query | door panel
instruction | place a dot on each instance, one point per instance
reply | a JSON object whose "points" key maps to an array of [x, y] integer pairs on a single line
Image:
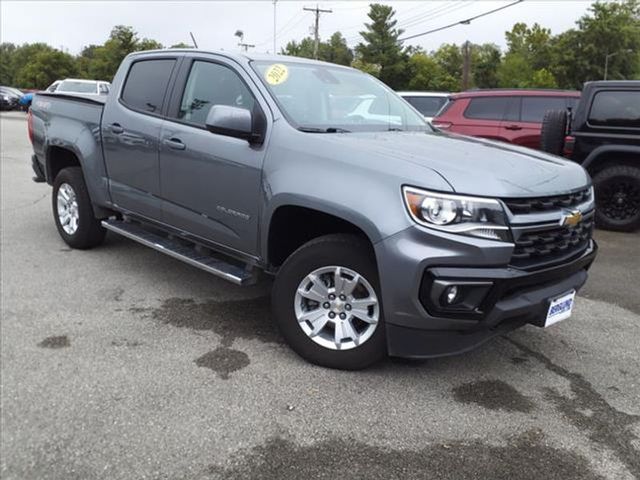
{"points": [[211, 183], [526, 131], [131, 133], [482, 117]]}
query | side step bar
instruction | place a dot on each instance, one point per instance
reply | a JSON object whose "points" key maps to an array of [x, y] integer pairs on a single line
{"points": [[189, 254]]}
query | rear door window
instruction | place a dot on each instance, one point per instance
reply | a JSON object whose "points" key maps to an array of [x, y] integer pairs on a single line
{"points": [[487, 108], [146, 84], [212, 84], [534, 108], [615, 109]]}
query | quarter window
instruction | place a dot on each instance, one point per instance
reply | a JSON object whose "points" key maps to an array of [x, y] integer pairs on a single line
{"points": [[534, 108], [616, 109], [212, 84], [147, 83], [487, 108]]}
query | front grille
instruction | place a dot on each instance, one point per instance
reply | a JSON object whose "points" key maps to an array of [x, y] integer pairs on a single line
{"points": [[544, 204], [535, 248]]}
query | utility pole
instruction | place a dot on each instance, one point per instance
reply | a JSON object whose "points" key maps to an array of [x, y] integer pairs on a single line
{"points": [[466, 66], [316, 27], [274, 27], [241, 44]]}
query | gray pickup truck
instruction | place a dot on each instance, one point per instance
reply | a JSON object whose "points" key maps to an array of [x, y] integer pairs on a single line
{"points": [[384, 235]]}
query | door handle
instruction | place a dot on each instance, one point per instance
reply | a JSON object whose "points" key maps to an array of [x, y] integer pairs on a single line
{"points": [[513, 127], [116, 128], [175, 144]]}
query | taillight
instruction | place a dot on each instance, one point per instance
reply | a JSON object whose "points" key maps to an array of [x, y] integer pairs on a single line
{"points": [[569, 143], [30, 125], [441, 125]]}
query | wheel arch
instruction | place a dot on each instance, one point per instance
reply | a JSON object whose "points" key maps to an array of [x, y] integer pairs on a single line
{"points": [[601, 157], [282, 234]]}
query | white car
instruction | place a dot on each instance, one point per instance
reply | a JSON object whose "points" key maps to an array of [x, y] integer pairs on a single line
{"points": [[428, 104], [76, 85]]}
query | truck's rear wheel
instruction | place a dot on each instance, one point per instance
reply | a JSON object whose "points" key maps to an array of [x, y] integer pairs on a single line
{"points": [[618, 198], [326, 302], [72, 210]]}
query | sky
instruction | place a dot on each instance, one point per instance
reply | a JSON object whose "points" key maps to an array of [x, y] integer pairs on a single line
{"points": [[71, 25]]}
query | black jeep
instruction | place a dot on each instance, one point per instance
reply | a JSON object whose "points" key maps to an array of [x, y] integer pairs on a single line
{"points": [[603, 135]]}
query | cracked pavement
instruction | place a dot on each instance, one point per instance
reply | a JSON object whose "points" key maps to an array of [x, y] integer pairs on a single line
{"points": [[122, 363]]}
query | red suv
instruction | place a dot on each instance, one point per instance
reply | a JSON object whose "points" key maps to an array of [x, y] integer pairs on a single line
{"points": [[513, 116]]}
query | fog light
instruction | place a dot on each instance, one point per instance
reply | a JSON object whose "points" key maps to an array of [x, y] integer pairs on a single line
{"points": [[451, 294]]}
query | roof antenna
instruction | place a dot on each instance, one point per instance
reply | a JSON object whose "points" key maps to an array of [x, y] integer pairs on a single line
{"points": [[193, 39]]}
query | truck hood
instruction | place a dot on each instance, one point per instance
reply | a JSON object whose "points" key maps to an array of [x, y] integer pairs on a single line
{"points": [[470, 165]]}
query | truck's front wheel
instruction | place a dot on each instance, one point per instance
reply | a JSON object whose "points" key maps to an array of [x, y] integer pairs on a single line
{"points": [[72, 210], [326, 302], [618, 198]]}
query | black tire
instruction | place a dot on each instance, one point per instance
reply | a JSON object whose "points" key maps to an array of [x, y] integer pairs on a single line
{"points": [[348, 251], [554, 127], [89, 232], [618, 198]]}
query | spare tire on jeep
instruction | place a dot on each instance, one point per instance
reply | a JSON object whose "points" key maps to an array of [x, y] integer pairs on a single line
{"points": [[554, 127]]}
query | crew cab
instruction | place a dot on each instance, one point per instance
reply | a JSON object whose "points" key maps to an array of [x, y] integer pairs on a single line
{"points": [[384, 235]]}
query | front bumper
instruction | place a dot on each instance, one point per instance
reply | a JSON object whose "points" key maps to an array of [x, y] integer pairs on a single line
{"points": [[409, 263]]}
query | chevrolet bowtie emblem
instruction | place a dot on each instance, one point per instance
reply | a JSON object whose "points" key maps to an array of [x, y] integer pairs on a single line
{"points": [[571, 219]]}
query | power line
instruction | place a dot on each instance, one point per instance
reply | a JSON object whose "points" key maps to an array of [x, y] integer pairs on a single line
{"points": [[462, 22]]}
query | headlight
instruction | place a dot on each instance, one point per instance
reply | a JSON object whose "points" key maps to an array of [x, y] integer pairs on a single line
{"points": [[475, 216]]}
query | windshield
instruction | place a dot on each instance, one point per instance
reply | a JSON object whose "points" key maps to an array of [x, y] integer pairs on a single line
{"points": [[12, 91], [323, 98], [77, 87]]}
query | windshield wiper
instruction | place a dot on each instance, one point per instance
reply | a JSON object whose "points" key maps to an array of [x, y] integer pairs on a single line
{"points": [[395, 129], [323, 130]]}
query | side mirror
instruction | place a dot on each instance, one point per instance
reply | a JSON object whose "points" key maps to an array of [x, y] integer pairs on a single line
{"points": [[230, 121]]}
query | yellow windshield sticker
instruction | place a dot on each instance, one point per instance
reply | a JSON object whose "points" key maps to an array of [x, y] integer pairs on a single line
{"points": [[276, 74]]}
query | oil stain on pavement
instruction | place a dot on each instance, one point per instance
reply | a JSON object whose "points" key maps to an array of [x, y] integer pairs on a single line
{"points": [[525, 458], [589, 411], [61, 341], [233, 319], [224, 361], [494, 395]]}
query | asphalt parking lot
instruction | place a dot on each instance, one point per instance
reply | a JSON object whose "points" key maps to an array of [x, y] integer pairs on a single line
{"points": [[122, 363]]}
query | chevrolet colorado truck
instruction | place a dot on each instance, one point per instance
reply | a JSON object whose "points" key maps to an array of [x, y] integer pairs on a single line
{"points": [[384, 235]]}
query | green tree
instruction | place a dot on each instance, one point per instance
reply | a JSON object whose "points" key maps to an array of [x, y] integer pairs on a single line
{"points": [[7, 72], [335, 50], [181, 45], [449, 58], [578, 55], [532, 43], [485, 61], [427, 74], [46, 67], [382, 46]]}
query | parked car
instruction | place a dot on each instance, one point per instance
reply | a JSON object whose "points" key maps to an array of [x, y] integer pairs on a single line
{"points": [[54, 86], [428, 104], [512, 116], [10, 98], [382, 238], [85, 87], [603, 135]]}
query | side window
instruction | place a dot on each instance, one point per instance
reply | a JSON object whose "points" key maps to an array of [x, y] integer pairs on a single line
{"points": [[616, 109], [534, 108], [487, 108], [146, 84], [212, 84]]}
